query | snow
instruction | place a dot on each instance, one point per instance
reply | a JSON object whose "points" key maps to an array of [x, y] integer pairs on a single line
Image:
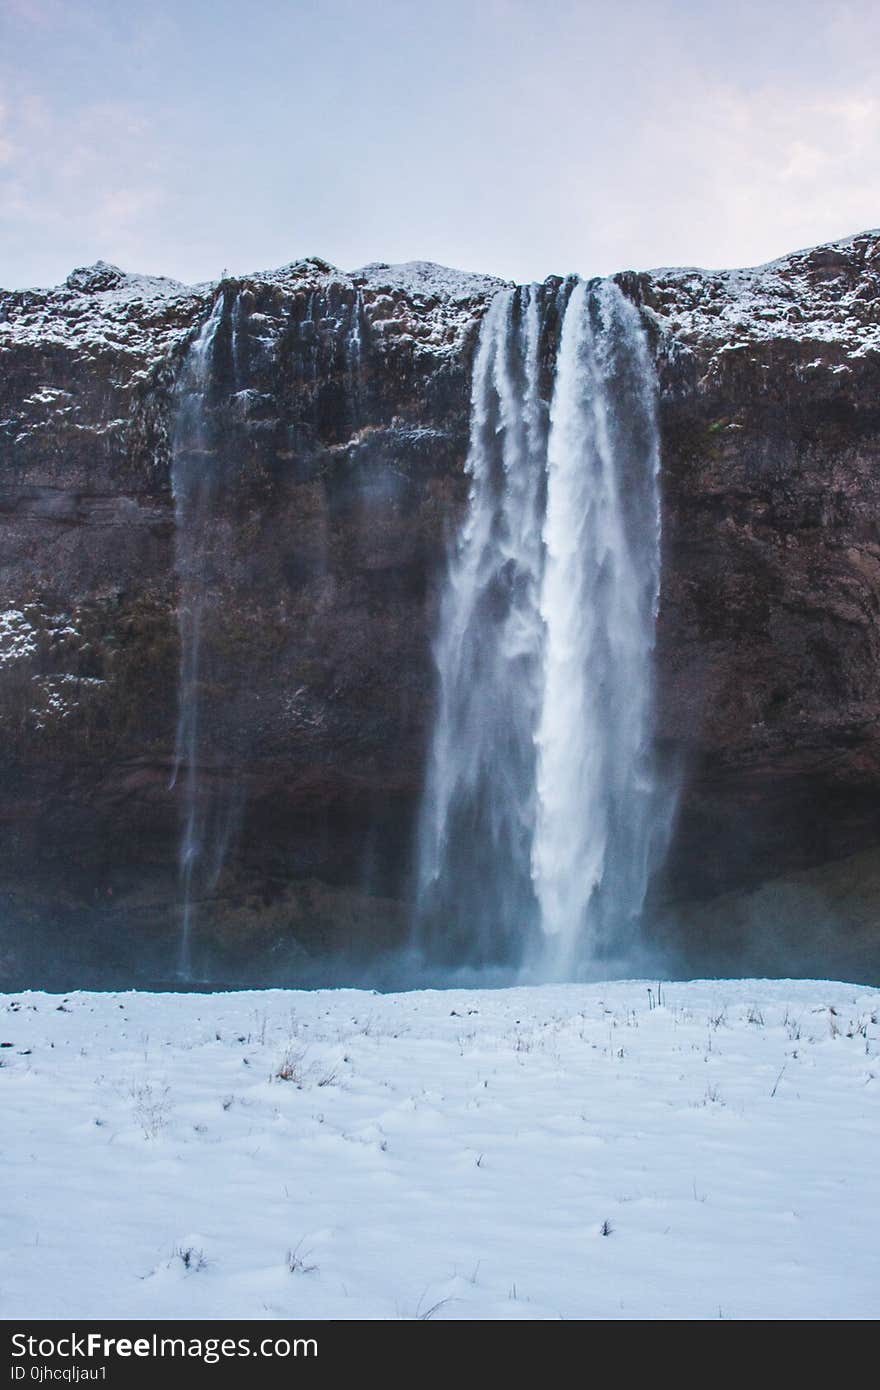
{"points": [[424, 280], [18, 637], [56, 693], [537, 1153], [102, 309], [828, 294], [431, 306]]}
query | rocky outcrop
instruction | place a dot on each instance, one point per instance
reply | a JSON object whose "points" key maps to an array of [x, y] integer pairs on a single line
{"points": [[338, 424]]}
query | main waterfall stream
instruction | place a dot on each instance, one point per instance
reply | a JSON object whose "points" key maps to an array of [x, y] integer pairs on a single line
{"points": [[544, 812]]}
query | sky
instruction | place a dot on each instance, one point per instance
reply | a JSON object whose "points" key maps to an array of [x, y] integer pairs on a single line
{"points": [[192, 137]]}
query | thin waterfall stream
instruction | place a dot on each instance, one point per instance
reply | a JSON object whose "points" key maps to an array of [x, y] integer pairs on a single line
{"points": [[193, 482]]}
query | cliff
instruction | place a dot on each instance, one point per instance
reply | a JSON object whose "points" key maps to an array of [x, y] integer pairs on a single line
{"points": [[338, 415]]}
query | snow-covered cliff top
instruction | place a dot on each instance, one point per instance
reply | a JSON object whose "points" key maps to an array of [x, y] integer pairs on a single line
{"points": [[825, 295], [101, 308], [425, 280]]}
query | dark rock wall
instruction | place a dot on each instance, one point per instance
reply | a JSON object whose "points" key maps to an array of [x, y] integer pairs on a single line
{"points": [[338, 426], [769, 636]]}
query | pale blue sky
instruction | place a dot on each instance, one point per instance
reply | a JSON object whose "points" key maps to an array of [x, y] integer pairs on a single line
{"points": [[185, 137]]}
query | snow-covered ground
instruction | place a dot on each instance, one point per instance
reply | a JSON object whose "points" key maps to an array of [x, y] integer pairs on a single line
{"points": [[554, 1152]]}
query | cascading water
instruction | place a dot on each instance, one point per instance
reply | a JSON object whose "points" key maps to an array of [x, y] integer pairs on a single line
{"points": [[476, 901], [193, 484], [596, 790], [543, 810]]}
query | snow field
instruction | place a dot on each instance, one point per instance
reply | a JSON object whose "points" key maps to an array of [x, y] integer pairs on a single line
{"points": [[541, 1153]]}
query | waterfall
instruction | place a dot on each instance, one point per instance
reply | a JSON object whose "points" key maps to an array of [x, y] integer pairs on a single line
{"points": [[542, 806], [475, 892], [193, 483], [226, 468], [595, 779]]}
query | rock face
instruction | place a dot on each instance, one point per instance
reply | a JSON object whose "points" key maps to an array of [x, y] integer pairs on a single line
{"points": [[337, 427]]}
